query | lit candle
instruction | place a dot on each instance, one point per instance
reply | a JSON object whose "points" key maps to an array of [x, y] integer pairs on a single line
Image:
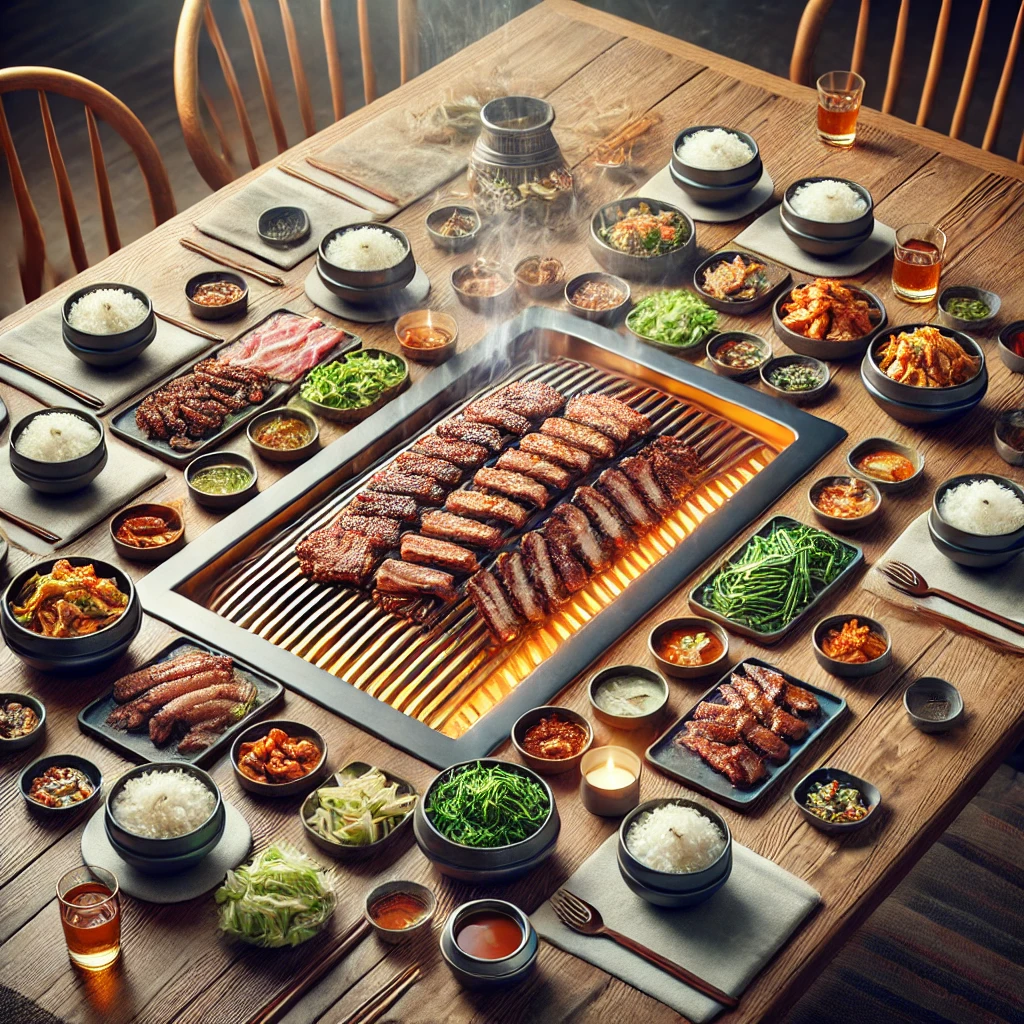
{"points": [[610, 783], [610, 776]]}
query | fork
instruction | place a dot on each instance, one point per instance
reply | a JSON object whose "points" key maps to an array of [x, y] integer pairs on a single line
{"points": [[582, 917], [909, 581]]}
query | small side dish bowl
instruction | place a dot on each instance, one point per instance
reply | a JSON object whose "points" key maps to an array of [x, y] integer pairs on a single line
{"points": [[796, 397], [948, 319], [221, 502], [846, 669], [203, 311], [656, 639], [1012, 359], [933, 705], [543, 290], [283, 226], [711, 177], [843, 230], [821, 348], [390, 278], [440, 215], [975, 541], [433, 320], [157, 553], [398, 887], [476, 972], [775, 276], [915, 414], [107, 342], [723, 369], [1008, 436], [40, 765], [872, 798], [26, 700], [550, 765], [873, 445], [844, 524], [627, 722], [271, 454], [488, 305], [349, 416], [629, 265], [278, 789], [607, 315], [58, 477]]}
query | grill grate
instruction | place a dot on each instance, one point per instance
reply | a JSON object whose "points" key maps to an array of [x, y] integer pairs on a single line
{"points": [[443, 671]]}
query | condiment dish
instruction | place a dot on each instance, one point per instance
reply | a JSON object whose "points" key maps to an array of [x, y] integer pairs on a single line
{"points": [[872, 798], [390, 278], [842, 231], [776, 274], [628, 265], [846, 669], [975, 541], [487, 305], [436, 219], [821, 348], [674, 668], [627, 722], [429, 318], [58, 477], [158, 553], [914, 414], [1008, 421], [221, 502], [40, 765], [948, 319], [108, 342], [737, 373], [1011, 360], [109, 359], [267, 226], [421, 894], [796, 397], [933, 705], [971, 557], [479, 973], [877, 444], [843, 524], [547, 290], [598, 316], [550, 765], [279, 789], [9, 746], [710, 176], [201, 311], [350, 416], [272, 454]]}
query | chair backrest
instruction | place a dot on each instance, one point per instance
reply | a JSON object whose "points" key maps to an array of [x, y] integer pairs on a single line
{"points": [[98, 103], [217, 167], [800, 69]]}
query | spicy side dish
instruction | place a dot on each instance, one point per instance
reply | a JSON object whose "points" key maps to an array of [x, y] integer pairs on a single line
{"points": [[853, 644], [827, 310], [278, 757], [60, 786], [736, 280], [68, 601], [283, 433], [216, 293], [554, 738], [926, 358], [886, 465], [17, 720], [844, 498], [148, 531], [690, 645], [641, 232], [835, 803]]}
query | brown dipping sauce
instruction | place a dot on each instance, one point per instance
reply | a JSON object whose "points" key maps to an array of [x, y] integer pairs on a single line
{"points": [[597, 295], [217, 293], [489, 935], [397, 911], [283, 434], [554, 738], [425, 336]]}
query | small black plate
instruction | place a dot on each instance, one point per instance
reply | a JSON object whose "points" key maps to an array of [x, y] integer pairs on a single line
{"points": [[139, 747], [777, 275], [687, 767]]}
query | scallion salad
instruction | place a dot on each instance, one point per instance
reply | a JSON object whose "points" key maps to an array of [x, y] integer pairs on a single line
{"points": [[673, 317], [355, 383]]}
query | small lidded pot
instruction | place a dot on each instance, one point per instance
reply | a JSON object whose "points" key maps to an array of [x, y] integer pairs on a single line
{"points": [[489, 943], [398, 911]]}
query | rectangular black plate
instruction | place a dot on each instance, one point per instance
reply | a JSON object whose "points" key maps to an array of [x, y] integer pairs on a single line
{"points": [[687, 767], [122, 422], [777, 275], [770, 638], [139, 747]]}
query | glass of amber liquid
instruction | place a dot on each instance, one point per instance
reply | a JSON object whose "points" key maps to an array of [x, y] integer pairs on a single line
{"points": [[917, 262], [90, 911], [839, 97]]}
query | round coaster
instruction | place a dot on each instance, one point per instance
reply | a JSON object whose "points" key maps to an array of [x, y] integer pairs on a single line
{"points": [[663, 187], [3, 415], [208, 873], [411, 297]]}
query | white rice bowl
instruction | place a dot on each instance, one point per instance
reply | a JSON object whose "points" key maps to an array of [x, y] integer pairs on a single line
{"points": [[828, 201], [714, 149], [365, 248], [676, 839], [107, 311], [163, 804]]}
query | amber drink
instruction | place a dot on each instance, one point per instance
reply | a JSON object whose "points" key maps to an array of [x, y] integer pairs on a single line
{"points": [[839, 98], [90, 912], [917, 262]]}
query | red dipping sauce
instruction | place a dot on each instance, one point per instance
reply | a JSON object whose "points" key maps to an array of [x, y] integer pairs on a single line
{"points": [[489, 935]]}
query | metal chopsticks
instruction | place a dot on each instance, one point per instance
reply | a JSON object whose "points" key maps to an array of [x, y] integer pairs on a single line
{"points": [[187, 327], [82, 396], [227, 261], [36, 531], [385, 997]]}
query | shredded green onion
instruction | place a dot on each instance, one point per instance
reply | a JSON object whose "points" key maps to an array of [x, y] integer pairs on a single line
{"points": [[355, 383], [672, 317]]}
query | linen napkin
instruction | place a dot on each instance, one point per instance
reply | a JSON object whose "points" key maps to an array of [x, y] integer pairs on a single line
{"points": [[767, 237], [233, 219], [125, 475], [725, 941], [1000, 590], [38, 343], [662, 186]]}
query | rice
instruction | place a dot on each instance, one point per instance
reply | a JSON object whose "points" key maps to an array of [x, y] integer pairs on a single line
{"points": [[57, 437], [715, 149], [163, 804], [983, 507], [828, 201], [675, 838], [365, 249], [107, 311]]}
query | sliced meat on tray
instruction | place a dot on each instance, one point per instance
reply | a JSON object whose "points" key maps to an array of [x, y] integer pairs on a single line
{"points": [[579, 435], [563, 556], [476, 433], [554, 450], [494, 606], [136, 713], [616, 486], [527, 600], [478, 505], [395, 577], [382, 533], [595, 550], [745, 692], [426, 465], [582, 406], [390, 506], [185, 708], [333, 556], [533, 466], [463, 454], [537, 558], [184, 665], [604, 514], [441, 554], [460, 530], [640, 470], [778, 689], [394, 481], [746, 727], [513, 485], [738, 763]]}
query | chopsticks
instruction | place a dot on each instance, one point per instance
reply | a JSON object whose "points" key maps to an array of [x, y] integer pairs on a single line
{"points": [[36, 531], [187, 327], [320, 185], [283, 1001], [82, 396], [378, 192], [384, 998], [227, 261]]}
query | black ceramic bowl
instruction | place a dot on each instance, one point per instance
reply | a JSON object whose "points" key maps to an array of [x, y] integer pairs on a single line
{"points": [[58, 477], [844, 524], [477, 972], [971, 557], [871, 445], [716, 178], [108, 359], [824, 349], [396, 276], [550, 765], [796, 397], [628, 265], [737, 373], [452, 243], [221, 502], [375, 296], [975, 541], [872, 798], [845, 669], [948, 319], [278, 789], [917, 415], [931, 690], [714, 195], [825, 247], [9, 746], [229, 309], [107, 342], [37, 767], [820, 229], [268, 224], [776, 276], [598, 316], [79, 653]]}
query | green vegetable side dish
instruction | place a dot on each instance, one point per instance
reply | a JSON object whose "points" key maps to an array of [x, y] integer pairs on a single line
{"points": [[967, 309], [221, 479], [795, 377], [672, 317], [487, 806], [835, 803], [775, 577], [280, 898], [355, 383], [359, 810]]}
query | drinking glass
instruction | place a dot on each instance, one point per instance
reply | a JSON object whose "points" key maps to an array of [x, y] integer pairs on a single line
{"points": [[839, 96], [90, 911], [917, 262]]}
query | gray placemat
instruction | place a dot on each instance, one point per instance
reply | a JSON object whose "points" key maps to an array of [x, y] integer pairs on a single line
{"points": [[999, 590], [663, 187], [725, 941], [233, 219], [232, 849], [38, 343], [767, 237], [125, 475], [411, 297]]}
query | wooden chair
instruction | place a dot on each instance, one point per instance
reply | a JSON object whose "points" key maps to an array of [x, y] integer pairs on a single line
{"points": [[217, 167], [98, 103], [800, 69]]}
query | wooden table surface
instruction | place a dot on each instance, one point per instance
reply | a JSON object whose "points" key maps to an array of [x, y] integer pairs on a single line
{"points": [[594, 68]]}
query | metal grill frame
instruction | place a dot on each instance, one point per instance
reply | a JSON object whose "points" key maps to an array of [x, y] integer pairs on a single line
{"points": [[171, 592]]}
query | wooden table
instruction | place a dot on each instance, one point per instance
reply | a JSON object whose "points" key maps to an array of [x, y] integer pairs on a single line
{"points": [[586, 63]]}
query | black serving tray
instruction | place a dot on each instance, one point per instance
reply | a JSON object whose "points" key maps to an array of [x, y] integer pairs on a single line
{"points": [[688, 768], [778, 276], [770, 638], [122, 422], [139, 747]]}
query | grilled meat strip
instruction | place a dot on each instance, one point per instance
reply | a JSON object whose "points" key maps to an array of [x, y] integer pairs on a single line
{"points": [[677, 466], [393, 481], [779, 690], [782, 723], [763, 740], [135, 714], [614, 484], [526, 599], [541, 568], [514, 485], [475, 433], [494, 606], [579, 435], [439, 553], [478, 505], [604, 514], [561, 547], [738, 763], [513, 406], [394, 577], [593, 418], [497, 416], [460, 530], [380, 532], [199, 737], [595, 550], [426, 465], [328, 556], [641, 471], [554, 450], [183, 708], [535, 467], [636, 422], [463, 454], [390, 506], [187, 664]]}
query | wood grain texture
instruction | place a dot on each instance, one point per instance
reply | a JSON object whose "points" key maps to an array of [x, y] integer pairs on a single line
{"points": [[176, 968]]}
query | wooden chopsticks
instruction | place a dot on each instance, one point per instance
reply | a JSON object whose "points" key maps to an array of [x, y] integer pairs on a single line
{"points": [[191, 328], [82, 396], [378, 192], [385, 997], [36, 531], [320, 185], [227, 261]]}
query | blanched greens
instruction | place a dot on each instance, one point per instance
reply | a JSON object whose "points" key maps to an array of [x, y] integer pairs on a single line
{"points": [[357, 811], [355, 383], [672, 317]]}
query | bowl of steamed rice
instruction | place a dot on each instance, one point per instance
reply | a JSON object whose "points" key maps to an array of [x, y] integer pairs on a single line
{"points": [[57, 450], [363, 257], [712, 155], [674, 848], [980, 512], [827, 209], [170, 812], [107, 317]]}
